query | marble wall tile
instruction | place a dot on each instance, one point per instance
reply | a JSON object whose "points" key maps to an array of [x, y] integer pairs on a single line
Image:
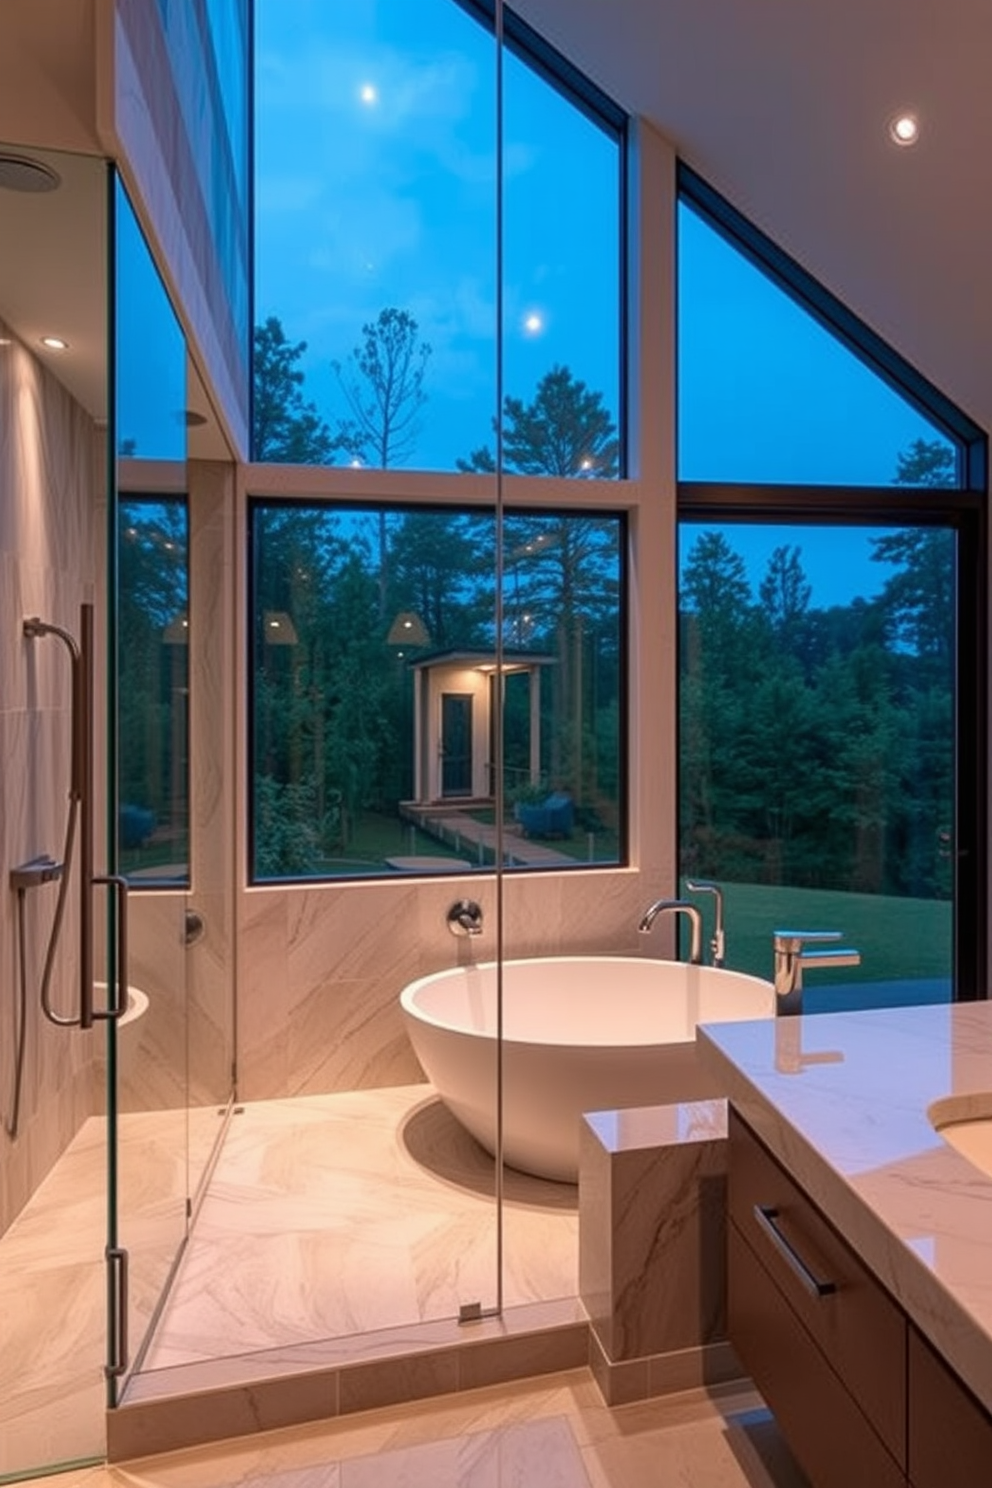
{"points": [[263, 994], [652, 1227], [48, 566], [387, 1381], [516, 1358], [343, 953], [162, 1425]]}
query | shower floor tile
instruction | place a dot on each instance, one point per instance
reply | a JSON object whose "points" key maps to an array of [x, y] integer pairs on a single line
{"points": [[332, 1215]]}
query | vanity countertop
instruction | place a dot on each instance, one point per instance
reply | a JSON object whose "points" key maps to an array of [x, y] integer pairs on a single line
{"points": [[841, 1099]]}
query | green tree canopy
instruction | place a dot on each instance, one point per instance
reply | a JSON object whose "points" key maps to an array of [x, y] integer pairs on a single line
{"points": [[287, 427], [927, 462], [565, 430]]}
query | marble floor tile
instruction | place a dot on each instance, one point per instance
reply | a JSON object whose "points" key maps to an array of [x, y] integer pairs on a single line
{"points": [[555, 1433], [329, 1214], [325, 1217], [340, 1214]]}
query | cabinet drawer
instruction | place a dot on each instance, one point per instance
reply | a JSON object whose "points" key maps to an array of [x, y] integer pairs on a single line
{"points": [[950, 1433], [856, 1325], [827, 1432]]}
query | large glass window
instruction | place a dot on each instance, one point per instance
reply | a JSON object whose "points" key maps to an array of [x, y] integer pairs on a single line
{"points": [[376, 235], [817, 745], [767, 393], [378, 684], [832, 678]]}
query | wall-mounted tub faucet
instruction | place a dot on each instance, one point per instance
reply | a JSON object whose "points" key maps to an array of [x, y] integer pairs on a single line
{"points": [[792, 957], [678, 906], [718, 943], [465, 917]]}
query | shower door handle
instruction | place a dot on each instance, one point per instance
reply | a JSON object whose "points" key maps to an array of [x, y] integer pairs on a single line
{"points": [[82, 786], [118, 1005]]}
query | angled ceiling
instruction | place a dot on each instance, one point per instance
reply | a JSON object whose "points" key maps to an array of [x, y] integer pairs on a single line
{"points": [[784, 106]]}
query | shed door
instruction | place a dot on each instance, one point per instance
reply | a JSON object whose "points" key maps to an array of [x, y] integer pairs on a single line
{"points": [[456, 744]]}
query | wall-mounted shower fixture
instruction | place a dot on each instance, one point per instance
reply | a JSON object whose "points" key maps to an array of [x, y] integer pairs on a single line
{"points": [[465, 917], [38, 871], [194, 927], [46, 870]]}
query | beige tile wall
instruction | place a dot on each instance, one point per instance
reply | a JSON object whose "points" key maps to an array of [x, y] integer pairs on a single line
{"points": [[50, 539]]}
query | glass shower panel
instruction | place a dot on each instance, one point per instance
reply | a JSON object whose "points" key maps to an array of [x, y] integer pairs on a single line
{"points": [[560, 792], [817, 755], [374, 349], [53, 235], [148, 788]]}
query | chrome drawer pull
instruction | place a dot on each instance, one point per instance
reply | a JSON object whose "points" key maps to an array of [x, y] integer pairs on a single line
{"points": [[766, 1215]]}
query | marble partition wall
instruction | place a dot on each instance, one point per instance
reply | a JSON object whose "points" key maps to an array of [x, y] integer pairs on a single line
{"points": [[320, 969], [50, 539]]}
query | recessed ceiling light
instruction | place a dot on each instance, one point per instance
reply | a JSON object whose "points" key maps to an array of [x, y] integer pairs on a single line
{"points": [[55, 343], [19, 173], [904, 128]]}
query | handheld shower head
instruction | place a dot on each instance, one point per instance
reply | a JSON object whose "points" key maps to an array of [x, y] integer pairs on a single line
{"points": [[35, 627]]}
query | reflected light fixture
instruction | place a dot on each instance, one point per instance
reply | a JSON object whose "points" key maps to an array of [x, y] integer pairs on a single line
{"points": [[904, 128], [408, 630], [55, 343], [176, 633], [278, 629]]}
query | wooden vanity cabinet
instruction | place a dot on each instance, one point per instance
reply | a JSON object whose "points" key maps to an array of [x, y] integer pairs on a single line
{"points": [[822, 1340], [950, 1432], [860, 1395]]}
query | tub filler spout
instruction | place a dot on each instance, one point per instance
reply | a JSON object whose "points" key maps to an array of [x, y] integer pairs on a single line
{"points": [[678, 906]]}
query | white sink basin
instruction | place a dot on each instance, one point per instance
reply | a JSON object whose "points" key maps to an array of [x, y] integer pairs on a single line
{"points": [[965, 1123]]}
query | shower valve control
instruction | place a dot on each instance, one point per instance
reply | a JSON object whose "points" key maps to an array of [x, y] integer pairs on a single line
{"points": [[38, 871], [465, 917]]}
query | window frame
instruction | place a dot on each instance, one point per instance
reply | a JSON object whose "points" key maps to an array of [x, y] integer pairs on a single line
{"points": [[404, 491]]}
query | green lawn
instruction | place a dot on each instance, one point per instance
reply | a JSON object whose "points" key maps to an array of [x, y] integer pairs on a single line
{"points": [[897, 938]]}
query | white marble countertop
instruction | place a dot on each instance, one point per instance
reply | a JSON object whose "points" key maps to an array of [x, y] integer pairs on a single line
{"points": [[841, 1099]]}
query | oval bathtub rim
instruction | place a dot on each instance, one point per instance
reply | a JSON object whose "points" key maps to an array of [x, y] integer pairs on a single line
{"points": [[411, 1008]]}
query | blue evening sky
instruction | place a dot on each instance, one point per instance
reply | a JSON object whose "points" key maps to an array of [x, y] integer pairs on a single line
{"points": [[150, 351], [375, 124]]}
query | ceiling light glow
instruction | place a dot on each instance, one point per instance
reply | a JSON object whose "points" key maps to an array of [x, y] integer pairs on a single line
{"points": [[904, 128], [55, 343]]}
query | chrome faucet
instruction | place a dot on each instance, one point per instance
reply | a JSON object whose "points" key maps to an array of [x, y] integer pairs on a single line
{"points": [[792, 957], [718, 943], [678, 906]]}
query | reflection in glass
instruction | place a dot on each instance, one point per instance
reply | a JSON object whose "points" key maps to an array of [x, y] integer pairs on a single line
{"points": [[377, 689], [768, 394], [154, 688], [817, 745]]}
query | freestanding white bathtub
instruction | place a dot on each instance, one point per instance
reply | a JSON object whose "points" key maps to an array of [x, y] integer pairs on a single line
{"points": [[580, 1033]]}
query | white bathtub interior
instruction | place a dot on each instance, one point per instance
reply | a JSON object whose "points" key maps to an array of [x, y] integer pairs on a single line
{"points": [[580, 1033]]}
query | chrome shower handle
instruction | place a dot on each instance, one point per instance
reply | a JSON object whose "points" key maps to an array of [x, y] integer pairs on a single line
{"points": [[82, 785], [118, 1006]]}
